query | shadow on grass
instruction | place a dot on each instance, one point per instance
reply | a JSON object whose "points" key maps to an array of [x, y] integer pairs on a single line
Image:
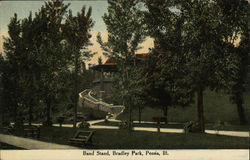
{"points": [[124, 139]]}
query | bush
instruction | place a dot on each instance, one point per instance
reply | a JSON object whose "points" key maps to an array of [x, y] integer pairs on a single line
{"points": [[191, 127], [47, 123], [126, 125], [84, 124], [60, 120]]}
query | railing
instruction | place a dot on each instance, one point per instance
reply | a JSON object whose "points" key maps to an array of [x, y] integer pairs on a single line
{"points": [[87, 100]]}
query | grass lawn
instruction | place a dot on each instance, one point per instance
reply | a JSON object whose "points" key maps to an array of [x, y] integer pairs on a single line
{"points": [[226, 127], [217, 107], [108, 123], [123, 139], [8, 146]]}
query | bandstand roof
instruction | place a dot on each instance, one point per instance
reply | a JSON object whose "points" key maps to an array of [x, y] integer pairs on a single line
{"points": [[111, 66], [108, 66]]}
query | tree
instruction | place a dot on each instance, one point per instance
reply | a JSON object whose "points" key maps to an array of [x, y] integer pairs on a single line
{"points": [[77, 34], [11, 68], [1, 90], [165, 81], [235, 22], [124, 22], [39, 55], [52, 57], [29, 67], [202, 52]]}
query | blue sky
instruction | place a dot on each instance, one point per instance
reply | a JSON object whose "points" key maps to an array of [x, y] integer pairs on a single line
{"points": [[23, 8]]}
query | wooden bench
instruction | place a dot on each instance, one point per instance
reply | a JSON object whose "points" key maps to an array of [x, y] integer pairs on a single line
{"points": [[32, 131], [8, 129], [82, 138]]}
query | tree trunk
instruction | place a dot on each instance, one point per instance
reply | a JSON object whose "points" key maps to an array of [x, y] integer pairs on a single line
{"points": [[1, 114], [140, 110], [15, 113], [75, 109], [48, 114], [240, 110], [130, 114], [77, 69], [30, 111], [165, 113], [200, 111]]}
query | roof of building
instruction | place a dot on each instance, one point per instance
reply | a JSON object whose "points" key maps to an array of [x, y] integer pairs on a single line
{"points": [[142, 55], [110, 62], [110, 65]]}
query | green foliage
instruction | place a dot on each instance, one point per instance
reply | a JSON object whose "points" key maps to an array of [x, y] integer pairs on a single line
{"points": [[11, 69], [124, 22], [84, 125], [235, 22], [126, 125], [38, 58], [192, 46], [77, 34], [126, 29]]}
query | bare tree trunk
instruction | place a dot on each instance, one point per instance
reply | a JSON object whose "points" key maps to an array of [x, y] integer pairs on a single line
{"points": [[75, 108], [200, 111], [130, 103], [48, 114], [240, 110], [75, 92], [165, 113], [140, 110], [1, 113], [30, 111], [15, 113]]}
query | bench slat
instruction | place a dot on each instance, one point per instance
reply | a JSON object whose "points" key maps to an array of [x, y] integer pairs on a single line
{"points": [[80, 139]]}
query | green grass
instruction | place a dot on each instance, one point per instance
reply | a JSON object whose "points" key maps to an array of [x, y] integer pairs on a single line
{"points": [[227, 127], [56, 134], [123, 139], [108, 123], [217, 107], [8, 146]]}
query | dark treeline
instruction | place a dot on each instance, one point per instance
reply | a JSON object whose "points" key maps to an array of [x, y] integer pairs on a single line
{"points": [[43, 63], [198, 45]]}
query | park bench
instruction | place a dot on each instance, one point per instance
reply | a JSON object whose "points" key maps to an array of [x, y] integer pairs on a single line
{"points": [[8, 129], [82, 138], [32, 131], [158, 120]]}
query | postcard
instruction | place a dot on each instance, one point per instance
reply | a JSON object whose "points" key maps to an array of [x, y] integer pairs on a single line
{"points": [[124, 79]]}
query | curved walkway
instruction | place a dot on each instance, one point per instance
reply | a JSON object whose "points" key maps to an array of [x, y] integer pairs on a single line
{"points": [[154, 129], [31, 143], [87, 100], [171, 130]]}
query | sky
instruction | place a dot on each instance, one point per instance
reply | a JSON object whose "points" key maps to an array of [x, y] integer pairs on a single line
{"points": [[99, 7]]}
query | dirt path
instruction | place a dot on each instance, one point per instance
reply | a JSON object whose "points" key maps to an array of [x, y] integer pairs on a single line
{"points": [[31, 143]]}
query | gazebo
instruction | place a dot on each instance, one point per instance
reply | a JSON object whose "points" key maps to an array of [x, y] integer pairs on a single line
{"points": [[104, 74]]}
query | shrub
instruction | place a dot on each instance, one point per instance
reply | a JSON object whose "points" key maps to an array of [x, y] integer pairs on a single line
{"points": [[84, 124]]}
